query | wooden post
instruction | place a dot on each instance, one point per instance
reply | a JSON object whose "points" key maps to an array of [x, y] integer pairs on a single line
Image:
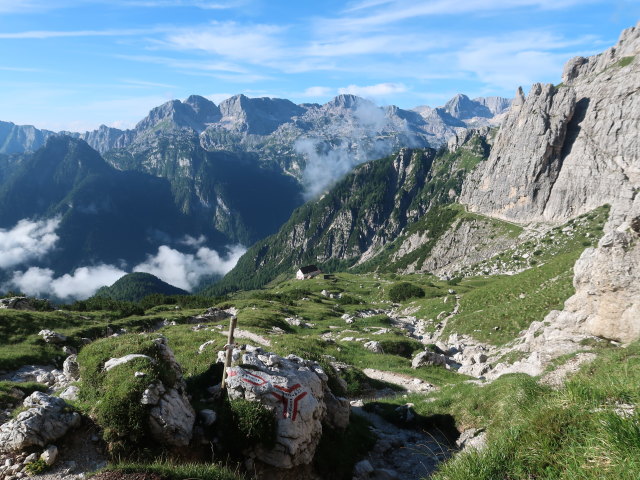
{"points": [[229, 347]]}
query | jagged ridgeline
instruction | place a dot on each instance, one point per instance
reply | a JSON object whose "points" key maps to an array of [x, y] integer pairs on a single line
{"points": [[367, 221]]}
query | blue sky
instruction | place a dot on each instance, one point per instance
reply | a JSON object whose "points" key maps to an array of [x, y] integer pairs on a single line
{"points": [[76, 64]]}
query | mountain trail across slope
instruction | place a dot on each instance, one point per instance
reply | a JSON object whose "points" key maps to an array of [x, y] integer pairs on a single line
{"points": [[400, 453]]}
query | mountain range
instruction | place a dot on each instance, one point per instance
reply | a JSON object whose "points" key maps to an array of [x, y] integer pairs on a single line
{"points": [[482, 204], [228, 174]]}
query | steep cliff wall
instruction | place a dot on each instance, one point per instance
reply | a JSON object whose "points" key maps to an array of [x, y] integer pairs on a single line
{"points": [[565, 150]]}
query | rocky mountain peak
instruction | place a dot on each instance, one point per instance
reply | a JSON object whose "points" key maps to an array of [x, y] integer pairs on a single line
{"points": [[260, 116], [173, 113], [347, 101], [462, 107], [624, 51], [204, 109]]}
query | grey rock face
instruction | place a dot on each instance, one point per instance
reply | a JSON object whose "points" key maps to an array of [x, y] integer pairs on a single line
{"points": [[45, 420], [297, 392], [584, 152], [607, 282], [260, 116], [526, 158], [171, 419], [21, 138], [566, 150]]}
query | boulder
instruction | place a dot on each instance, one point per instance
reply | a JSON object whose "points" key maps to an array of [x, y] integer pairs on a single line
{"points": [[171, 419], [70, 368], [374, 346], [46, 419], [428, 358], [49, 336], [16, 303], [70, 393], [50, 455], [296, 391]]}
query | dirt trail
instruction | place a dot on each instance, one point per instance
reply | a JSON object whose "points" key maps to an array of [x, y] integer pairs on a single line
{"points": [[410, 384], [404, 454]]}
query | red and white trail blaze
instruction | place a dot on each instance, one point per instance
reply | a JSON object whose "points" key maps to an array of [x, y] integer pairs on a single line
{"points": [[288, 396]]}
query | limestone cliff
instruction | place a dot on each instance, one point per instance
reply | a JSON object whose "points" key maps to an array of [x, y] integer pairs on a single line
{"points": [[565, 150]]}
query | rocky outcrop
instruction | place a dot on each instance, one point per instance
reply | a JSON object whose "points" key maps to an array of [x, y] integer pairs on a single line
{"points": [[16, 303], [296, 391], [45, 420], [171, 417], [564, 151], [516, 181], [568, 149], [169, 414], [607, 282]]}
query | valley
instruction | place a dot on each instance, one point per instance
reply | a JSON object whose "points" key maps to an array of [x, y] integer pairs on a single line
{"points": [[476, 312]]}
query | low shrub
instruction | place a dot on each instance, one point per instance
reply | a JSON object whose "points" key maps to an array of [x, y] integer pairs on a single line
{"points": [[244, 424], [402, 291]]}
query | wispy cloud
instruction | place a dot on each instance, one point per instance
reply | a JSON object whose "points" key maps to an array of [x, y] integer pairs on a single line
{"points": [[517, 58], [373, 15], [39, 6], [143, 83], [378, 90], [46, 34], [256, 44], [317, 92], [20, 69], [204, 65]]}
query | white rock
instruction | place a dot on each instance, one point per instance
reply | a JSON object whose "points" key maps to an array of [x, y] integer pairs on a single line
{"points": [[49, 336], [46, 419], [374, 346], [70, 393], [114, 362], [50, 455]]}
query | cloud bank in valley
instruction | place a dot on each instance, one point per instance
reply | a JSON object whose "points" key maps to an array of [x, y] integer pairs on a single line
{"points": [[27, 241], [82, 283], [30, 241], [185, 270]]}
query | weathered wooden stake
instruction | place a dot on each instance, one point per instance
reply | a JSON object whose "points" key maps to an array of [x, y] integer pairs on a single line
{"points": [[229, 347]]}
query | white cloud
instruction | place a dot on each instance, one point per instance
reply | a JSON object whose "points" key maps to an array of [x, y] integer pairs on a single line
{"points": [[35, 281], [374, 90], [193, 241], [81, 284], [185, 270], [318, 92], [85, 281], [519, 58], [28, 240], [371, 18], [252, 43]]}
